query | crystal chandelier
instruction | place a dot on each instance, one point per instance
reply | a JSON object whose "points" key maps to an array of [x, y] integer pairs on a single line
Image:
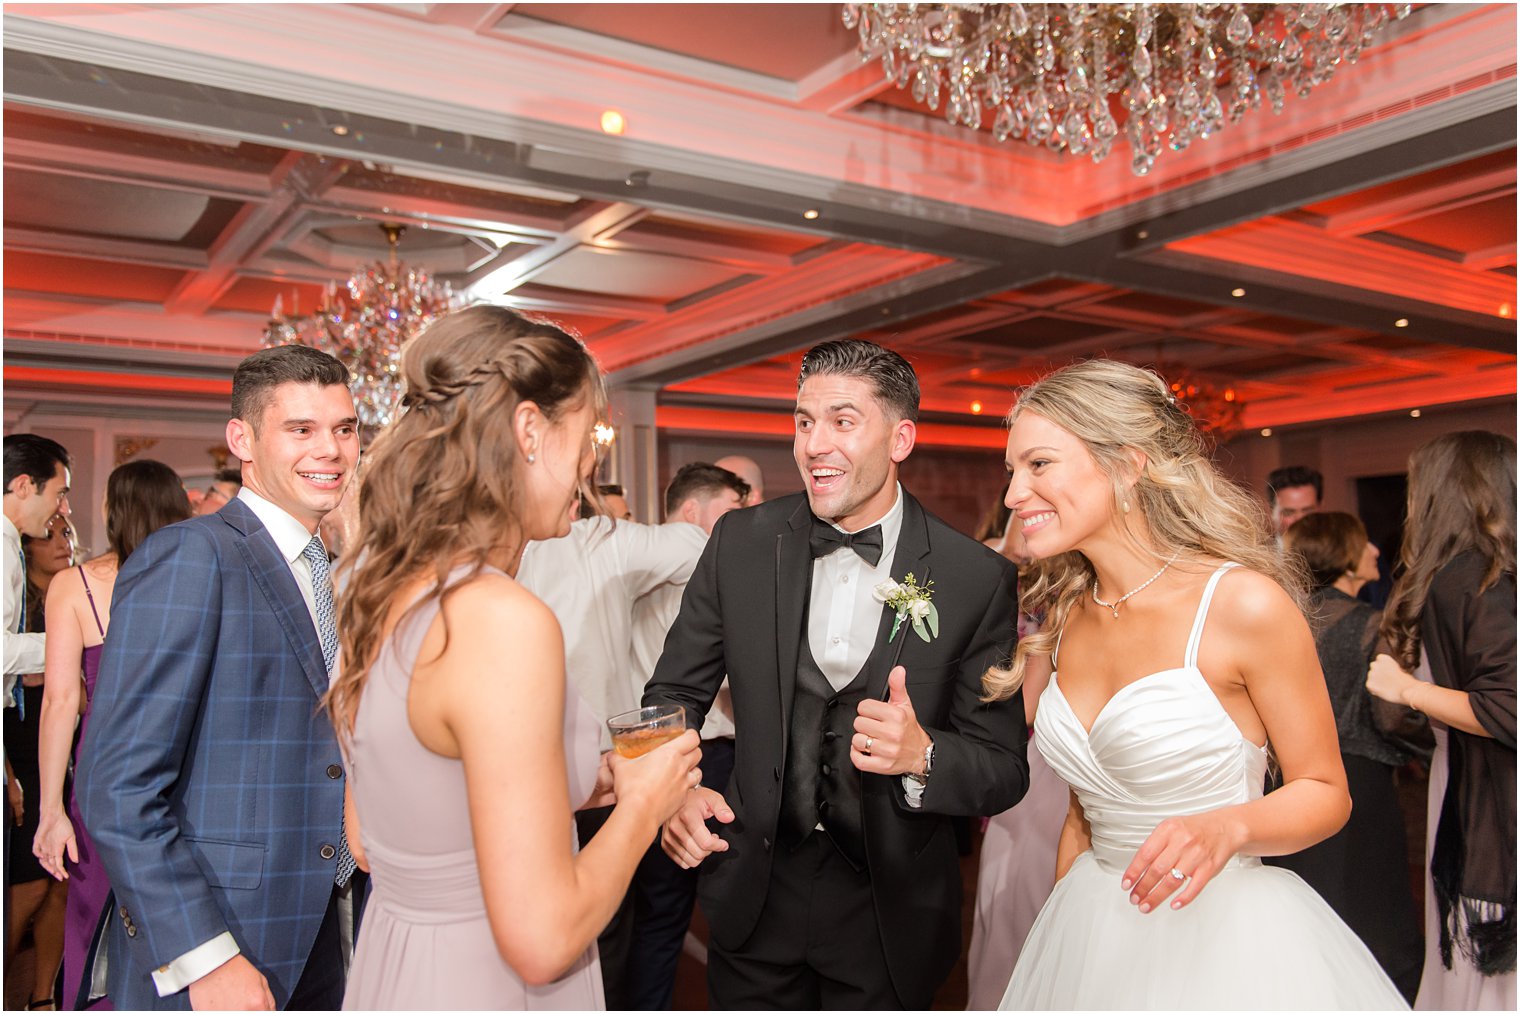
{"points": [[1214, 405], [388, 304], [1073, 77]]}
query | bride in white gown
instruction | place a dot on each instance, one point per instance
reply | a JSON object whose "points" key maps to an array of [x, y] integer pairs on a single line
{"points": [[1180, 653]]}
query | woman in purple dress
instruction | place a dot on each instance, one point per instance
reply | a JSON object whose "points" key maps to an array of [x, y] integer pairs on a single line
{"points": [[141, 497]]}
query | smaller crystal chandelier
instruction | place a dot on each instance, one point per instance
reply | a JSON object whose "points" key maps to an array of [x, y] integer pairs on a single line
{"points": [[1214, 405], [388, 304], [1073, 77]]}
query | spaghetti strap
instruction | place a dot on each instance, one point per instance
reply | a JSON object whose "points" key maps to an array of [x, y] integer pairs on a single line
{"points": [[93, 611], [1190, 660], [1055, 655]]}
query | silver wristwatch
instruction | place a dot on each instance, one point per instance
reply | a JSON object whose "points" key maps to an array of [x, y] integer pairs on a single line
{"points": [[923, 779]]}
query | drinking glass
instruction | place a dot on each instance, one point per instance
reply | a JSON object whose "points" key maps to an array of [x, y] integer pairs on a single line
{"points": [[635, 733]]}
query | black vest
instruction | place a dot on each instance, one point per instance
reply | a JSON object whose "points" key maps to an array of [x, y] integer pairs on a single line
{"points": [[821, 785]]}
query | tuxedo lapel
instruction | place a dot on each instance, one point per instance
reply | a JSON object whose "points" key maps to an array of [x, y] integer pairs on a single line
{"points": [[911, 557], [794, 573], [272, 575]]}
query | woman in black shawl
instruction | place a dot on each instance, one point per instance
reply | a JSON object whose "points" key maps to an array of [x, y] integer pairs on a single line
{"points": [[1452, 613]]}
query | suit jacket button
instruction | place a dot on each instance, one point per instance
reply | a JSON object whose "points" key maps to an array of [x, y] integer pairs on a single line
{"points": [[334, 771], [327, 851], [827, 770], [833, 702], [124, 912], [131, 931], [830, 736]]}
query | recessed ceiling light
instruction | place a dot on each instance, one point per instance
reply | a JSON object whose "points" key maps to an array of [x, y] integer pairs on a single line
{"points": [[810, 214], [1505, 310], [1414, 413], [1401, 322], [1143, 234], [340, 130], [613, 122], [976, 408], [1267, 432], [1237, 293]]}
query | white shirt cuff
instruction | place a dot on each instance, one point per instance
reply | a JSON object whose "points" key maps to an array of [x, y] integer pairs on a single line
{"points": [[195, 964], [913, 792]]}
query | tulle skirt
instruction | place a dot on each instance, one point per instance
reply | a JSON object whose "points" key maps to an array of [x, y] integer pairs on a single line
{"points": [[1256, 938]]}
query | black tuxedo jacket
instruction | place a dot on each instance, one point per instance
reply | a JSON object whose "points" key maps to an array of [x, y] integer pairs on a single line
{"points": [[743, 614]]}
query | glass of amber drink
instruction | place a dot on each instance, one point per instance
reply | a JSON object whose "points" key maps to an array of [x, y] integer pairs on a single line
{"points": [[635, 733]]}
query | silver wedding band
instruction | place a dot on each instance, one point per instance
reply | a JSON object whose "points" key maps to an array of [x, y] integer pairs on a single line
{"points": [[1178, 874], [869, 741]]}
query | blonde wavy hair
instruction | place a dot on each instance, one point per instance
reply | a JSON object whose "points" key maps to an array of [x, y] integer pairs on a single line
{"points": [[441, 486], [1190, 508]]}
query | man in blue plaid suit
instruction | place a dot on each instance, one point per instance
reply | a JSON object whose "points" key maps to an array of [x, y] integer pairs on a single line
{"points": [[210, 778]]}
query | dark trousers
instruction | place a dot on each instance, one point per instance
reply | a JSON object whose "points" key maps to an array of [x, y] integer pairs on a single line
{"points": [[816, 946], [325, 976], [616, 939], [664, 896]]}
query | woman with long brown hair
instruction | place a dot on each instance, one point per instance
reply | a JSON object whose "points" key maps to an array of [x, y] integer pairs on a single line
{"points": [[466, 748], [141, 498], [1178, 656], [1452, 617]]}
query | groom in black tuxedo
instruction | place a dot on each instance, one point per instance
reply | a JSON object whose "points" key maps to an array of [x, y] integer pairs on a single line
{"points": [[830, 878]]}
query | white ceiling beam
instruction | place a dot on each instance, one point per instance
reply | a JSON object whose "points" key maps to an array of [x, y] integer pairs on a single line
{"points": [[103, 248]]}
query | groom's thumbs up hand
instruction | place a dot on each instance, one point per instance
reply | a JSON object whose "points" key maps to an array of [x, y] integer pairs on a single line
{"points": [[888, 739]]}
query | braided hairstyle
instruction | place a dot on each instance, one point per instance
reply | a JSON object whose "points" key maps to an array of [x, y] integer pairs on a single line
{"points": [[1189, 508], [441, 485]]}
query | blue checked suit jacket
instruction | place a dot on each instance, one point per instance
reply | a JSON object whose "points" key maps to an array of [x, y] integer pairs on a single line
{"points": [[208, 778]]}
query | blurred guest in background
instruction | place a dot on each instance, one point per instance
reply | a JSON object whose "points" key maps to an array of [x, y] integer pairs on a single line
{"points": [[1363, 869], [614, 503], [591, 579], [1018, 860], [664, 894], [749, 471], [1292, 492], [1451, 620], [224, 486], [35, 901], [36, 488], [141, 497]]}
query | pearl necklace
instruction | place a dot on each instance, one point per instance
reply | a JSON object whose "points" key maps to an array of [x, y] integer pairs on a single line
{"points": [[1113, 607]]}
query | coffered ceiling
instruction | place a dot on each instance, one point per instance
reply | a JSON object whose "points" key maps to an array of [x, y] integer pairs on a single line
{"points": [[172, 170]]}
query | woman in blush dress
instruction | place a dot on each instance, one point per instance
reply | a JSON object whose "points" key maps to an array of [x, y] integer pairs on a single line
{"points": [[1178, 653], [1018, 861], [141, 498], [1452, 618], [466, 748]]}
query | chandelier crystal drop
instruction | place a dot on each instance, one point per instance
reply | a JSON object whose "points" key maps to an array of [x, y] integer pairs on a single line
{"points": [[388, 303], [1074, 77]]}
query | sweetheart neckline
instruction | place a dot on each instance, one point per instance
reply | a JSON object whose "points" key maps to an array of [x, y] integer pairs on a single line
{"points": [[1087, 731]]}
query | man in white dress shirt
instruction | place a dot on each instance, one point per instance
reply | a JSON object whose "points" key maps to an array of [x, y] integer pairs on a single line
{"points": [[36, 488], [591, 579], [663, 893]]}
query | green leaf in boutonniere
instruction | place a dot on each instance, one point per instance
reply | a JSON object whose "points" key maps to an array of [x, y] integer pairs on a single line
{"points": [[911, 602]]}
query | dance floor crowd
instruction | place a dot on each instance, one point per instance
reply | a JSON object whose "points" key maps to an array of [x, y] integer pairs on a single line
{"points": [[446, 729]]}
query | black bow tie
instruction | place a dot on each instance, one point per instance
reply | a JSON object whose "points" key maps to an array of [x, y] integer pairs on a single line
{"points": [[825, 538]]}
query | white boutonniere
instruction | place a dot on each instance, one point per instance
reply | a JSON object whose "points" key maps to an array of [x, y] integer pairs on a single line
{"points": [[911, 603]]}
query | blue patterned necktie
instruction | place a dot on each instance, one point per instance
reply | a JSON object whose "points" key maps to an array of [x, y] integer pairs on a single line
{"points": [[327, 632]]}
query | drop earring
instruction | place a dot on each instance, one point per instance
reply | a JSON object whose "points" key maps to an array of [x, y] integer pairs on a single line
{"points": [[1122, 503], [531, 459]]}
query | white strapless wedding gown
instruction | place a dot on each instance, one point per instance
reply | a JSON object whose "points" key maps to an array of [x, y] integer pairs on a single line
{"points": [[1257, 937]]}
